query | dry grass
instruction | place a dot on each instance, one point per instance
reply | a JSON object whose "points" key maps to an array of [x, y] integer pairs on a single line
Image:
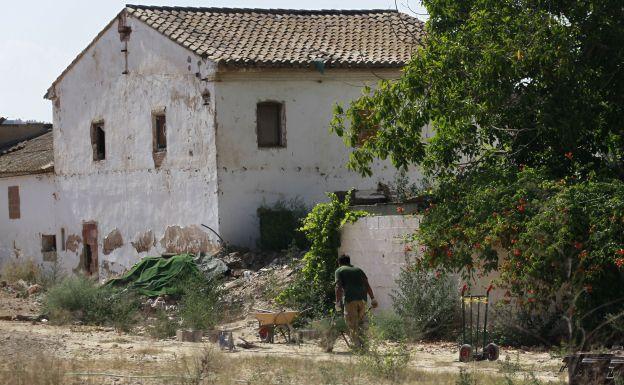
{"points": [[16, 269], [212, 367]]}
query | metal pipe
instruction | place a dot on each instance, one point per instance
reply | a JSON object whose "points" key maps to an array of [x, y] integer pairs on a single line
{"points": [[477, 324]]}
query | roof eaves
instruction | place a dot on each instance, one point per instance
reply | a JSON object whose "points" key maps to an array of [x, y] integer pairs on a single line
{"points": [[26, 172]]}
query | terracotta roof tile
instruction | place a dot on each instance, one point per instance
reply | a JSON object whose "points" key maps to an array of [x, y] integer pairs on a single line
{"points": [[33, 156], [293, 38]]}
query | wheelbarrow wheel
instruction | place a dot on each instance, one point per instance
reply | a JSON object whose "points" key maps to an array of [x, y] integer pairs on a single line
{"points": [[492, 351], [465, 353], [266, 333]]}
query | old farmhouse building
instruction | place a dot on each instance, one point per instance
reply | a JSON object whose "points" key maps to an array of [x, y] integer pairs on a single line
{"points": [[173, 117]]}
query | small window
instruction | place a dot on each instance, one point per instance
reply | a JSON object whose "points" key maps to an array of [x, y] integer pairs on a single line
{"points": [[98, 141], [48, 248], [160, 132], [14, 202], [270, 127], [48, 243]]}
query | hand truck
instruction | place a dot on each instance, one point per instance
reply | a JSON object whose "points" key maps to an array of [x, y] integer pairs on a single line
{"points": [[469, 349]]}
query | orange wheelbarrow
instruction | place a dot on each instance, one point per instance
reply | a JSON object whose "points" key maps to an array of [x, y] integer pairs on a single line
{"points": [[271, 323]]}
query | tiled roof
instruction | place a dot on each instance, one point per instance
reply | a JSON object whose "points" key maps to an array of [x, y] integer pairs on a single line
{"points": [[289, 38], [33, 156]]}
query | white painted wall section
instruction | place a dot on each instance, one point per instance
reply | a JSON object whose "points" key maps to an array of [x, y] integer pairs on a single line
{"points": [[376, 245], [20, 239], [126, 191], [313, 161]]}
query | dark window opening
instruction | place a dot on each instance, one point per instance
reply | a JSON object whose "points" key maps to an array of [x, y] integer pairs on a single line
{"points": [[98, 141], [62, 238], [14, 202], [48, 243], [270, 128], [160, 133], [87, 259]]}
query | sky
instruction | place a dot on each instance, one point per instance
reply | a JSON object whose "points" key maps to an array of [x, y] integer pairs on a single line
{"points": [[38, 39]]}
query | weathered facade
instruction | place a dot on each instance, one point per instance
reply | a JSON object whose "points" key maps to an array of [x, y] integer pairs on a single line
{"points": [[176, 117]]}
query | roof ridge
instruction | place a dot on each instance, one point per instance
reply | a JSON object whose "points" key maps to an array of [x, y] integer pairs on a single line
{"points": [[264, 10]]}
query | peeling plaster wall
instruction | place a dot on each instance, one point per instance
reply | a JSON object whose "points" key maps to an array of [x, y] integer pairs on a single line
{"points": [[313, 161], [21, 238], [126, 191]]}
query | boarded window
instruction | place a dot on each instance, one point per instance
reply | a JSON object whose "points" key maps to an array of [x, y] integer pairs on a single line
{"points": [[98, 141], [160, 132], [14, 202], [269, 124], [48, 247], [48, 243]]}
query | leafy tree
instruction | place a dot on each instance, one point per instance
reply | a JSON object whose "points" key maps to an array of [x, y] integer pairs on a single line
{"points": [[523, 108]]}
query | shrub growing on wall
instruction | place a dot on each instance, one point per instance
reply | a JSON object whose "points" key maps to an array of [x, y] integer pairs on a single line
{"points": [[314, 283], [279, 224]]}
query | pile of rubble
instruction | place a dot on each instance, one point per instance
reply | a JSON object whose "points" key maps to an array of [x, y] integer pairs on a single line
{"points": [[255, 278], [20, 300]]}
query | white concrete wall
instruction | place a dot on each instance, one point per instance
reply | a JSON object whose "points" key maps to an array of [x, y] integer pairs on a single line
{"points": [[126, 191], [20, 239], [376, 245], [313, 161]]}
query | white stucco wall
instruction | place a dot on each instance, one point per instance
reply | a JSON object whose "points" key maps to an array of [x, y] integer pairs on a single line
{"points": [[376, 244], [20, 239], [313, 161], [126, 191]]}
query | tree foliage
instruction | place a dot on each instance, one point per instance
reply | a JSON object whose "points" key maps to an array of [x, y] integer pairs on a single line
{"points": [[523, 108]]}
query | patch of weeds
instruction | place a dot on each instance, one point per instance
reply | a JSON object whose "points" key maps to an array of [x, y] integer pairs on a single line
{"points": [[202, 369], [26, 270], [39, 370], [80, 299], [389, 363], [388, 326], [163, 326], [465, 378], [200, 305]]}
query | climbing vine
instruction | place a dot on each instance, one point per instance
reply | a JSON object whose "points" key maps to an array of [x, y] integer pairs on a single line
{"points": [[314, 283]]}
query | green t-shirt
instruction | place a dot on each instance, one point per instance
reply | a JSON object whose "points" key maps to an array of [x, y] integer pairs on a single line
{"points": [[353, 282]]}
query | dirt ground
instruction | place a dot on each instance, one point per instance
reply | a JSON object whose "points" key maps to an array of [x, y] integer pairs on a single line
{"points": [[88, 344]]}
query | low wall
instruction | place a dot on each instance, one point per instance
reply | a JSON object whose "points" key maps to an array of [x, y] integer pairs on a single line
{"points": [[376, 244]]}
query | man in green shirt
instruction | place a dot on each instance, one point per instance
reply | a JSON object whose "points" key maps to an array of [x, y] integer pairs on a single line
{"points": [[353, 284]]}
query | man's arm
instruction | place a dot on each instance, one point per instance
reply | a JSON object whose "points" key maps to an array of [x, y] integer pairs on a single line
{"points": [[339, 292], [369, 290]]}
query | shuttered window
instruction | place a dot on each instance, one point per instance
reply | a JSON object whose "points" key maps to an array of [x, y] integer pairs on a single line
{"points": [[14, 202], [269, 125]]}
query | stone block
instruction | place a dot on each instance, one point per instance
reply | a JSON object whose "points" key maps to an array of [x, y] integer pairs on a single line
{"points": [[188, 335]]}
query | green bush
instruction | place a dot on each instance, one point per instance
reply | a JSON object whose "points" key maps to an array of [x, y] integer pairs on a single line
{"points": [[163, 327], [200, 304], [388, 326], [279, 224], [427, 302], [80, 299], [313, 286]]}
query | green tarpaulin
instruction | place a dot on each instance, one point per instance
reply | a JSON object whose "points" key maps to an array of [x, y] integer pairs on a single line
{"points": [[154, 276]]}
